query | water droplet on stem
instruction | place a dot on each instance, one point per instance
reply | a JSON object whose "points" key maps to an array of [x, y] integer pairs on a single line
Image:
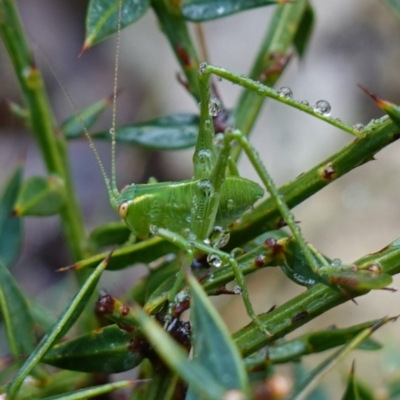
{"points": [[285, 92], [322, 107]]}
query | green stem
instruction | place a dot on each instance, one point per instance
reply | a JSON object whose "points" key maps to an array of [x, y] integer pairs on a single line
{"points": [[175, 28], [310, 304], [52, 146]]}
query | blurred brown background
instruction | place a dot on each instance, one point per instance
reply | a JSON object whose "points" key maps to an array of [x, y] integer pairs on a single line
{"points": [[353, 42]]}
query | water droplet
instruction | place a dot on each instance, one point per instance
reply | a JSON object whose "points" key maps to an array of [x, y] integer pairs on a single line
{"points": [[336, 262], [237, 289], [218, 140], [206, 188], [202, 67], [230, 204], [322, 107], [219, 237], [215, 106], [181, 296], [285, 92], [153, 229], [111, 131], [375, 268], [203, 155], [249, 209], [358, 127], [214, 260], [305, 103]]}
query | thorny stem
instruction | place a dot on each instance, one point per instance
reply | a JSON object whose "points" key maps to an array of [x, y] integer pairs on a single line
{"points": [[52, 146], [312, 303]]}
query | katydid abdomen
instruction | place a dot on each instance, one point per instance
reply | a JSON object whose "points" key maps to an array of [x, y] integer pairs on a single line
{"points": [[172, 205]]}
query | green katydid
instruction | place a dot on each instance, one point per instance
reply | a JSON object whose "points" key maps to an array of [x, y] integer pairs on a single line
{"points": [[185, 213]]}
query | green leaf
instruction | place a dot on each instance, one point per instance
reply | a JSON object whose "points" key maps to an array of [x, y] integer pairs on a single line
{"points": [[108, 350], [109, 234], [176, 358], [40, 196], [359, 280], [19, 324], [351, 392], [304, 30], [391, 109], [94, 391], [72, 127], [172, 132], [10, 228], [56, 383], [102, 18], [311, 343], [143, 289], [206, 10], [213, 346], [141, 252], [64, 322], [308, 384]]}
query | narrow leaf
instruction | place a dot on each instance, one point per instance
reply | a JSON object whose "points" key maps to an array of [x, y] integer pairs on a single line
{"points": [[304, 30], [389, 108], [360, 280], [313, 378], [102, 18], [40, 196], [109, 234], [351, 392], [206, 10], [141, 252], [92, 391], [214, 349], [172, 132], [108, 350], [19, 324], [10, 227], [65, 321], [311, 343], [175, 358], [73, 127]]}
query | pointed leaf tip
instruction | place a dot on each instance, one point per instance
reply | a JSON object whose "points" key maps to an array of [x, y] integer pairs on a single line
{"points": [[380, 102], [388, 107], [68, 268], [85, 47]]}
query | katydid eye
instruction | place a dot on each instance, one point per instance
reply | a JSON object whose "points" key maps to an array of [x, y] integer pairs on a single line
{"points": [[123, 209]]}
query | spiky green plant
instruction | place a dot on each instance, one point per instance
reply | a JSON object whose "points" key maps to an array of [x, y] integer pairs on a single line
{"points": [[145, 329]]}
